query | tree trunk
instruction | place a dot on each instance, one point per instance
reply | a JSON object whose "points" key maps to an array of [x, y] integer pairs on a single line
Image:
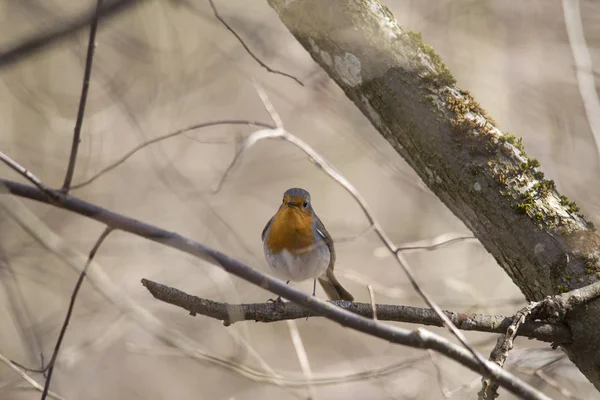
{"points": [[484, 176]]}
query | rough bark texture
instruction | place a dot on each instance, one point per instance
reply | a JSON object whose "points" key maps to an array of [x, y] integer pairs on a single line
{"points": [[481, 174]]}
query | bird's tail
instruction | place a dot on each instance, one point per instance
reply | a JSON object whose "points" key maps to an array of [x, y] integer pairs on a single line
{"points": [[333, 288]]}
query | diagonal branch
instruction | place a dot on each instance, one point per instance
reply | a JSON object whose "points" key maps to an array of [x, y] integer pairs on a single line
{"points": [[267, 312], [245, 46], [27, 378], [419, 338], [63, 329], [15, 166], [83, 99], [62, 30]]}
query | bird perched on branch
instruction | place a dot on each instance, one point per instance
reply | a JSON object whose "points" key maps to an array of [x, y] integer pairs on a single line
{"points": [[298, 247]]}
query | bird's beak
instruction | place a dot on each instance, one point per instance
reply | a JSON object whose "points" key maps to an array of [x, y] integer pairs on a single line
{"points": [[290, 203]]}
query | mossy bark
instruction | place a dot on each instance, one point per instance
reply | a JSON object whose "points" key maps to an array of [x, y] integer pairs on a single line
{"points": [[482, 174]]}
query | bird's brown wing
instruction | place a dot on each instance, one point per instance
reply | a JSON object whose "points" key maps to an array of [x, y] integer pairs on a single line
{"points": [[332, 287], [328, 240], [262, 235]]}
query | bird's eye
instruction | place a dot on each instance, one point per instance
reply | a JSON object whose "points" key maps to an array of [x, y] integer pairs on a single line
{"points": [[305, 204]]}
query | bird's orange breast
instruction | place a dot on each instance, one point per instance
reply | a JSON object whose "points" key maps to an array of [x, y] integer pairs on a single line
{"points": [[290, 230]]}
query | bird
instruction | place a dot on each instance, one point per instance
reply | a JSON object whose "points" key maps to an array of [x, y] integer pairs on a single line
{"points": [[297, 246]]}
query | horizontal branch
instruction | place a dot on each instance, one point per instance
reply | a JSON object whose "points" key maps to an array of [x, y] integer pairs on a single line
{"points": [[419, 338], [268, 312]]}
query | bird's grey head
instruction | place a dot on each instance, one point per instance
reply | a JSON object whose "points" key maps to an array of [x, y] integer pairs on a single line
{"points": [[296, 197]]}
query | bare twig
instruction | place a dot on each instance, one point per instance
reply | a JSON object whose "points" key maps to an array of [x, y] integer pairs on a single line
{"points": [[82, 100], [355, 237], [258, 60], [469, 385], [420, 338], [302, 358], [295, 381], [361, 279], [583, 67], [34, 370], [267, 312], [372, 299], [28, 175], [62, 30], [164, 137], [63, 330], [18, 307], [550, 382], [499, 354], [555, 308], [438, 372], [436, 243], [431, 244], [330, 170], [27, 378]]}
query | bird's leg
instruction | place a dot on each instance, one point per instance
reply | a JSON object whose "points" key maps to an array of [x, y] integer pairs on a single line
{"points": [[314, 291], [278, 300]]}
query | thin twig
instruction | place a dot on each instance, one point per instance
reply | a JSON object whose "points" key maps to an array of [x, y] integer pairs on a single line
{"points": [[499, 354], [262, 64], [555, 308], [355, 237], [437, 245], [60, 31], [27, 378], [420, 338], [164, 137], [294, 381], [35, 371], [583, 67], [27, 175], [302, 357], [361, 279], [82, 100], [19, 307], [275, 117], [267, 312], [440, 378], [372, 299], [469, 385], [550, 382], [63, 330]]}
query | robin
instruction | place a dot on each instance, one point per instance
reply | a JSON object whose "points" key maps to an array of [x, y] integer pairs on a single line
{"points": [[298, 247]]}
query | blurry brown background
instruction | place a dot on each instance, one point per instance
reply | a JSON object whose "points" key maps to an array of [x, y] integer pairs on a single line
{"points": [[163, 67]]}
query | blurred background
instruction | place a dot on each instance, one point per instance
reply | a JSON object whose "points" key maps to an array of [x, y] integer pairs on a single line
{"points": [[164, 66]]}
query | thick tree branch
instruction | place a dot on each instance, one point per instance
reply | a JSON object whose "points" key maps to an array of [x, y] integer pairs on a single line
{"points": [[268, 312], [482, 175], [419, 339]]}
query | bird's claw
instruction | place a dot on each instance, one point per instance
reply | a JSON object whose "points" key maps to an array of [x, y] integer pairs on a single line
{"points": [[277, 302]]}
